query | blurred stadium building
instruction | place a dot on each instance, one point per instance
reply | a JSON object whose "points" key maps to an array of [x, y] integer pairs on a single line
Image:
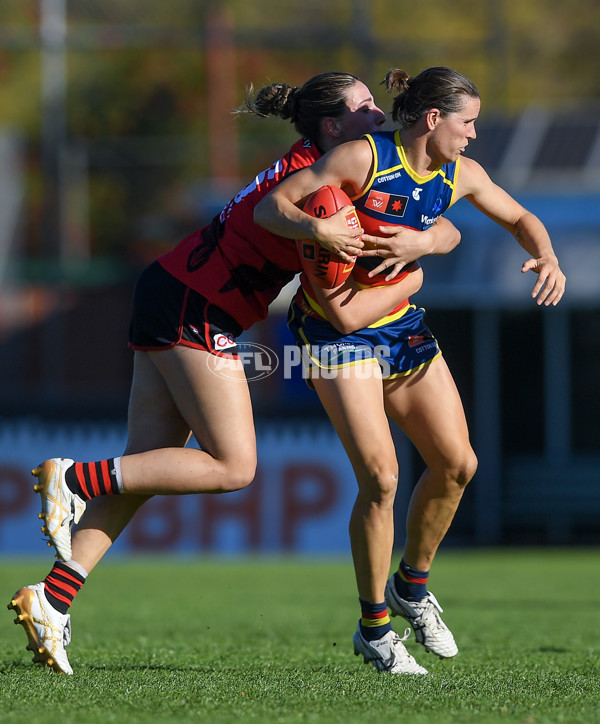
{"points": [[96, 179]]}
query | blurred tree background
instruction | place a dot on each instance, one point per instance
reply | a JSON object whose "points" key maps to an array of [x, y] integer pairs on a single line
{"points": [[118, 137], [127, 103]]}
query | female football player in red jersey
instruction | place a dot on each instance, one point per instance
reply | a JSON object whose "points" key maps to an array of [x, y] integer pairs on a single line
{"points": [[406, 177], [189, 306]]}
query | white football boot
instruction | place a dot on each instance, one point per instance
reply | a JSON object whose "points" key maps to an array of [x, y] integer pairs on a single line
{"points": [[387, 654], [424, 617], [60, 507], [48, 630]]}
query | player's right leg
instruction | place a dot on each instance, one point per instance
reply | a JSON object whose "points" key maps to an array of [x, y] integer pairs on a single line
{"points": [[217, 408], [354, 403]]}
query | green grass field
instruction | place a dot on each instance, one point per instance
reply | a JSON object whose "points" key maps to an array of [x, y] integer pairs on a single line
{"points": [[269, 640]]}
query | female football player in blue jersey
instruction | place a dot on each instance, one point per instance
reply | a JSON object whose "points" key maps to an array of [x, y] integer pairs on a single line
{"points": [[401, 179], [189, 306]]}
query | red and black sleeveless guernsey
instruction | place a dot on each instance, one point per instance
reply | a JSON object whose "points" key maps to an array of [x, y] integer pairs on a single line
{"points": [[235, 264], [396, 195]]}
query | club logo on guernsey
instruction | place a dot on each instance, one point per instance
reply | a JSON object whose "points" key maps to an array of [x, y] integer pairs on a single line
{"points": [[390, 204]]}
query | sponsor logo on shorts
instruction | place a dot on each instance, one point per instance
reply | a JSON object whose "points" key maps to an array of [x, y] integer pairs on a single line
{"points": [[223, 341], [416, 339], [423, 342]]}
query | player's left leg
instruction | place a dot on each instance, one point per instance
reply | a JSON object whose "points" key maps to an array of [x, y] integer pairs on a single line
{"points": [[354, 402], [427, 407], [43, 608], [216, 407]]}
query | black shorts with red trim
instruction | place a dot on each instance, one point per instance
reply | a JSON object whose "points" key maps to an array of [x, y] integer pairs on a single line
{"points": [[166, 312]]}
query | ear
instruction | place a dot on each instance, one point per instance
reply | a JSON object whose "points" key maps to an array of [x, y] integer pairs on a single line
{"points": [[432, 117], [331, 127]]}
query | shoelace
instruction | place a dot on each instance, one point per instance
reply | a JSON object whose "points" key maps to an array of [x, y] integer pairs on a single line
{"points": [[431, 618], [407, 633], [404, 655]]}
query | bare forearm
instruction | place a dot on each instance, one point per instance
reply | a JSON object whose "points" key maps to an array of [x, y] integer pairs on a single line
{"points": [[533, 237], [443, 237], [280, 216], [404, 245], [350, 307]]}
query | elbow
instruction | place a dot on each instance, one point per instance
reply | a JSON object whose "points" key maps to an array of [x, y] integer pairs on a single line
{"points": [[259, 213], [266, 212], [345, 326], [457, 239]]}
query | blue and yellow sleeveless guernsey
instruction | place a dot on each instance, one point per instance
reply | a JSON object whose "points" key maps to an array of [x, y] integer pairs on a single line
{"points": [[396, 195], [400, 343]]}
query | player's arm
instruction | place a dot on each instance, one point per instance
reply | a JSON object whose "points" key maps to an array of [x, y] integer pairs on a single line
{"points": [[528, 230], [399, 246], [280, 212], [350, 307]]}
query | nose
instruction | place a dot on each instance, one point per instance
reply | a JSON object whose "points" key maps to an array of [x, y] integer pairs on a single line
{"points": [[380, 120]]}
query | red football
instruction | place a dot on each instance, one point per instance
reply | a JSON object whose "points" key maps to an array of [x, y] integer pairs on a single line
{"points": [[325, 269]]}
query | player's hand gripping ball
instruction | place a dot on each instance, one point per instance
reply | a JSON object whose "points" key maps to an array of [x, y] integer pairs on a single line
{"points": [[324, 268]]}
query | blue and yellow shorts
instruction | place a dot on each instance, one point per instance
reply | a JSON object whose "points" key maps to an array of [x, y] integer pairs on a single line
{"points": [[400, 346]]}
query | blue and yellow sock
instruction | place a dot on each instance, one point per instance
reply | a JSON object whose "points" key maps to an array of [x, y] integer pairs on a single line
{"points": [[375, 621], [410, 583]]}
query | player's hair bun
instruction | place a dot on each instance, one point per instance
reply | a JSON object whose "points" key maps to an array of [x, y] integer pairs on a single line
{"points": [[277, 99], [397, 80]]}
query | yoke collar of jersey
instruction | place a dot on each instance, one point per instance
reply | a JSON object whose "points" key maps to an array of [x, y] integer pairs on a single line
{"points": [[406, 165]]}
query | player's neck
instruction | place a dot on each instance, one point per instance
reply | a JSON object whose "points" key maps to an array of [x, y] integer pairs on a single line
{"points": [[417, 152]]}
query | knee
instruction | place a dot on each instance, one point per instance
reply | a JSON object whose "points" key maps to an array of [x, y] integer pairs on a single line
{"points": [[462, 469], [379, 484]]}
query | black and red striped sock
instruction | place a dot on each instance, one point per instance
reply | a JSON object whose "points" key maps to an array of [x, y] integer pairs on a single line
{"points": [[89, 480], [61, 586]]}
